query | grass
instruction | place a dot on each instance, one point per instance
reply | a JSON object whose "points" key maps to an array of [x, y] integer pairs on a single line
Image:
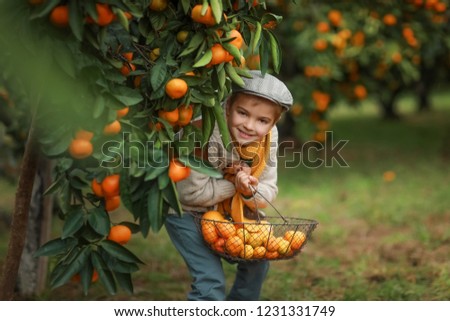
{"points": [[376, 239]]}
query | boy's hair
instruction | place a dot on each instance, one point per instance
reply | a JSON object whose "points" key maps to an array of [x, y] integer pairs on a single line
{"points": [[268, 87]]}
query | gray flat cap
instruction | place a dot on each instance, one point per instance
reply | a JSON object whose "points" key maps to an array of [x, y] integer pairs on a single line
{"points": [[268, 87]]}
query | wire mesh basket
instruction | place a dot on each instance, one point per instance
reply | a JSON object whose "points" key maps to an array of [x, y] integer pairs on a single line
{"points": [[274, 238]]}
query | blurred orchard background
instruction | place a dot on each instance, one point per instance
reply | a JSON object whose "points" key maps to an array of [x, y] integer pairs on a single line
{"points": [[373, 74]]}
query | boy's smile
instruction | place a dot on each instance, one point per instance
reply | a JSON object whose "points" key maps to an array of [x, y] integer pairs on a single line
{"points": [[251, 117]]}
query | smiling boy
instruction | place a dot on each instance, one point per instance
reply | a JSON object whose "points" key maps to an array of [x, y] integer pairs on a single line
{"points": [[251, 113]]}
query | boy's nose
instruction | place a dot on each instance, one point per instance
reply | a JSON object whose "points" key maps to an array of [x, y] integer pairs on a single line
{"points": [[249, 125]]}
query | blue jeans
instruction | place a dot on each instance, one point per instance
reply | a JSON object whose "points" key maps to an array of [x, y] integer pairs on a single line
{"points": [[208, 278]]}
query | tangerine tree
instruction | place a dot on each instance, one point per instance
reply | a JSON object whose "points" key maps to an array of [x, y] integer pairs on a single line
{"points": [[113, 87], [348, 51]]}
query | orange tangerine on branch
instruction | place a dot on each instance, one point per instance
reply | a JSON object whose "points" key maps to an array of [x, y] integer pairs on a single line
{"points": [[112, 203], [122, 112], [185, 115], [176, 88], [112, 128], [238, 41], [105, 14], [84, 134], [97, 188], [206, 19], [177, 171], [110, 185], [60, 16], [171, 116], [158, 5], [127, 68], [80, 148], [120, 234]]}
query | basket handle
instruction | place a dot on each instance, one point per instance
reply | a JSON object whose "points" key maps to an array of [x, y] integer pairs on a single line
{"points": [[255, 191]]}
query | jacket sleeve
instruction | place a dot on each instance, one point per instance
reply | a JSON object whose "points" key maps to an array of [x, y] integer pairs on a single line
{"points": [[200, 190], [267, 185]]}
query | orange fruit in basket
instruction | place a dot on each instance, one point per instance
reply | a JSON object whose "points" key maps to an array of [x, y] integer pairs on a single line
{"points": [[296, 238], [259, 252], [246, 252], [213, 215], [243, 234], [271, 255], [283, 246], [234, 245], [255, 239], [226, 229], [252, 227], [272, 244], [209, 232], [219, 245]]}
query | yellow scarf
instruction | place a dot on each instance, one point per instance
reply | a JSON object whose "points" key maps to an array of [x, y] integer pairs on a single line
{"points": [[258, 153]]}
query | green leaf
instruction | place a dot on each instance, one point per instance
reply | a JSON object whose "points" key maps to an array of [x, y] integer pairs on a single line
{"points": [[64, 57], [125, 191], [223, 127], [200, 165], [86, 276], [256, 36], [234, 76], [59, 145], [163, 181], [154, 208], [197, 39], [44, 9], [73, 223], [106, 277], [158, 76], [118, 251], [121, 266], [204, 60], [127, 96], [123, 20], [99, 220], [276, 52], [186, 4], [170, 195], [234, 51], [99, 106], [125, 282], [216, 7], [208, 121], [56, 246], [54, 186], [73, 267], [76, 19]]}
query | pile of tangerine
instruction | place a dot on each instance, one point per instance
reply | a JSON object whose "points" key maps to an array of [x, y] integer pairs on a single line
{"points": [[250, 241]]}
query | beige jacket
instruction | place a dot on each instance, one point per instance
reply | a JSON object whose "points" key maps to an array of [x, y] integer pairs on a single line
{"points": [[201, 193]]}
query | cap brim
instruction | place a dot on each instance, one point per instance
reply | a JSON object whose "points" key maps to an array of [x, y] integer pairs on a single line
{"points": [[243, 90]]}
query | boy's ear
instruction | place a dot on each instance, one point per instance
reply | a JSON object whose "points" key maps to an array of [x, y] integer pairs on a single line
{"points": [[227, 107]]}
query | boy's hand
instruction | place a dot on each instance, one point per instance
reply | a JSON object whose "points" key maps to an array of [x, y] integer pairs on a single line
{"points": [[243, 181], [236, 167]]}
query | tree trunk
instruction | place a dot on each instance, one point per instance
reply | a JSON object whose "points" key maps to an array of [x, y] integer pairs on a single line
{"points": [[20, 218], [423, 89], [388, 105], [33, 271]]}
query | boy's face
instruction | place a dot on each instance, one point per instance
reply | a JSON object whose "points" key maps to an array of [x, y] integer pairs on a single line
{"points": [[251, 117]]}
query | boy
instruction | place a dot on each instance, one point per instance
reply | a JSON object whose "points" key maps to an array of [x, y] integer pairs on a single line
{"points": [[251, 114]]}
